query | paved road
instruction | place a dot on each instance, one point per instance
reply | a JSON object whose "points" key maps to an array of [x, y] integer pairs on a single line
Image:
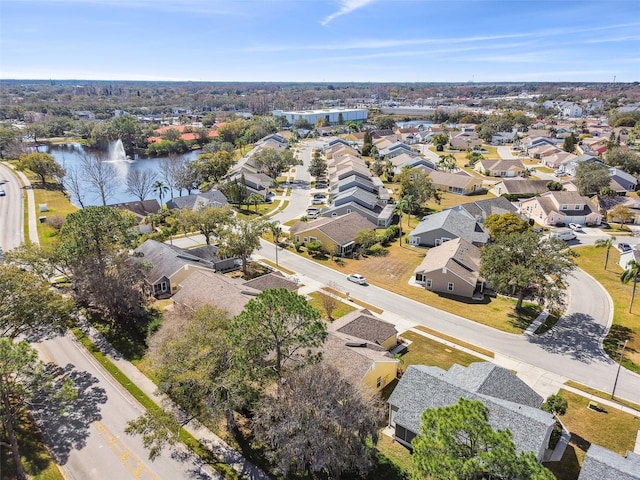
{"points": [[570, 350], [88, 441], [11, 218], [300, 188]]}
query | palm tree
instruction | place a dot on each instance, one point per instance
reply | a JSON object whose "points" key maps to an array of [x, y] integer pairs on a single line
{"points": [[161, 189], [400, 208], [631, 273], [605, 243], [255, 199]]}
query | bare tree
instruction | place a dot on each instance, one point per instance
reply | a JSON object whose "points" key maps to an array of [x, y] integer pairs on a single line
{"points": [[74, 185], [101, 177], [170, 169], [318, 423], [140, 183], [329, 302]]}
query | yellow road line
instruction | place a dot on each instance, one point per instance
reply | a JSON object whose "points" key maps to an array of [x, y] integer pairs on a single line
{"points": [[135, 466]]}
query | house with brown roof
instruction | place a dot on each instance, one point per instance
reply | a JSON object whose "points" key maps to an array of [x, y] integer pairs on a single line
{"points": [[460, 183], [564, 207], [364, 325], [452, 268], [499, 168], [270, 281], [519, 187], [362, 363], [336, 234], [140, 210], [210, 288], [465, 140]]}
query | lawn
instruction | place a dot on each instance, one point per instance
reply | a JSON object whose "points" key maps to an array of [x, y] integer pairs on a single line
{"points": [[610, 429], [392, 272], [58, 205], [341, 308], [625, 325], [424, 351]]}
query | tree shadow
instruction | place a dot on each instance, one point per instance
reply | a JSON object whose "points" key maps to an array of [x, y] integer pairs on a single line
{"points": [[65, 421], [616, 337], [578, 336]]}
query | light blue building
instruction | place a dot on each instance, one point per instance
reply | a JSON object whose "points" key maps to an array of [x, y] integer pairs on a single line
{"points": [[332, 115]]}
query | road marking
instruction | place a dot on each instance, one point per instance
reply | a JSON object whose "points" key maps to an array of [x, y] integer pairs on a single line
{"points": [[135, 466]]}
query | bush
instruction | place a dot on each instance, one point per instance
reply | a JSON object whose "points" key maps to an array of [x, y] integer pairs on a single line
{"points": [[378, 250], [56, 222]]}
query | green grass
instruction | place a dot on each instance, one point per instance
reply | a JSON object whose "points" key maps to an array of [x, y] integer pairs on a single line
{"points": [[341, 308], [277, 267], [189, 440], [601, 394], [625, 325], [435, 333], [424, 351], [393, 461], [36, 459]]}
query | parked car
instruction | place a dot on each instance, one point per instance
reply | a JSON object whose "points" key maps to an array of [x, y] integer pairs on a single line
{"points": [[321, 185], [2, 192], [357, 278], [317, 201], [559, 173], [624, 247], [576, 227], [319, 195]]}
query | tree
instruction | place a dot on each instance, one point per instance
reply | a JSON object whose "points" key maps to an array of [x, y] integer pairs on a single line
{"points": [[101, 177], [329, 304], [255, 198], [42, 164], [319, 425], [28, 306], [211, 167], [273, 162], [160, 188], [605, 243], [554, 186], [505, 224], [302, 123], [555, 404], [440, 140], [631, 272], [207, 220], [447, 162], [318, 165], [140, 183], [278, 330], [520, 264], [569, 144], [418, 184], [591, 177], [75, 185], [241, 238], [457, 442], [627, 160], [10, 141], [170, 169], [385, 122], [367, 144], [191, 358], [622, 214]]}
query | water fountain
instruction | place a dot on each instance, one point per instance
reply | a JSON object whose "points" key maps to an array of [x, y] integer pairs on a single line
{"points": [[117, 153]]}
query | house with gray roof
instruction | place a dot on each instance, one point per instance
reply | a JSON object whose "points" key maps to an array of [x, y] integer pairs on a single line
{"points": [[603, 464], [395, 149], [452, 268], [366, 203], [443, 226], [481, 209], [459, 183], [270, 281], [168, 265], [410, 160], [210, 198], [511, 403], [519, 187], [499, 168], [569, 166], [210, 254]]}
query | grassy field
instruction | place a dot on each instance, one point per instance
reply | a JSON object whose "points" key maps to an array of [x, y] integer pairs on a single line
{"points": [[424, 351], [610, 428], [625, 325], [341, 308]]}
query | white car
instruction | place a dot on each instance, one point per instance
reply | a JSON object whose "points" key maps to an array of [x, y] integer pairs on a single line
{"points": [[357, 278], [575, 227]]}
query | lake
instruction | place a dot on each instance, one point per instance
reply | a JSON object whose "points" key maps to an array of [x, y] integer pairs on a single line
{"points": [[70, 155]]}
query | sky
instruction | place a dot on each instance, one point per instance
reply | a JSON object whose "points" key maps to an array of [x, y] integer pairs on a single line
{"points": [[321, 40]]}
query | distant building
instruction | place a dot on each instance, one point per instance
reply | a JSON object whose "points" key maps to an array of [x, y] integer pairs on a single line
{"points": [[331, 115]]}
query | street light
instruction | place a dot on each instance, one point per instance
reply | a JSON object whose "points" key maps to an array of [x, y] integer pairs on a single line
{"points": [[619, 364]]}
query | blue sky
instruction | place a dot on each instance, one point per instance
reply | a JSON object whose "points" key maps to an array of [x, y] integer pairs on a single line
{"points": [[321, 40]]}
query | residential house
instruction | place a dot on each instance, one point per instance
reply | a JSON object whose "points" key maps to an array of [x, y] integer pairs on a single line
{"points": [[254, 183], [624, 179], [459, 183], [360, 362], [443, 226], [520, 188], [557, 208], [511, 403], [210, 198], [362, 325], [557, 159], [169, 266], [274, 141], [410, 160], [499, 168], [537, 141], [452, 268], [465, 140], [270, 281], [395, 149], [336, 234], [500, 138], [606, 204], [481, 209], [543, 151], [569, 166], [140, 210], [210, 288], [628, 256], [340, 148], [366, 203], [602, 464], [209, 253]]}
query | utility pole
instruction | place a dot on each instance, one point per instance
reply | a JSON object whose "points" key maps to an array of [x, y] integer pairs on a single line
{"points": [[619, 364]]}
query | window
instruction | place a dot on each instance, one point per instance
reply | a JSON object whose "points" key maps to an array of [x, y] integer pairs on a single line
{"points": [[379, 382], [160, 287], [578, 207], [428, 282], [450, 286], [297, 238], [564, 207]]}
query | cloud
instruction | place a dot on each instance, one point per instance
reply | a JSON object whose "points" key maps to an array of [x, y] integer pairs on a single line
{"points": [[348, 6]]}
